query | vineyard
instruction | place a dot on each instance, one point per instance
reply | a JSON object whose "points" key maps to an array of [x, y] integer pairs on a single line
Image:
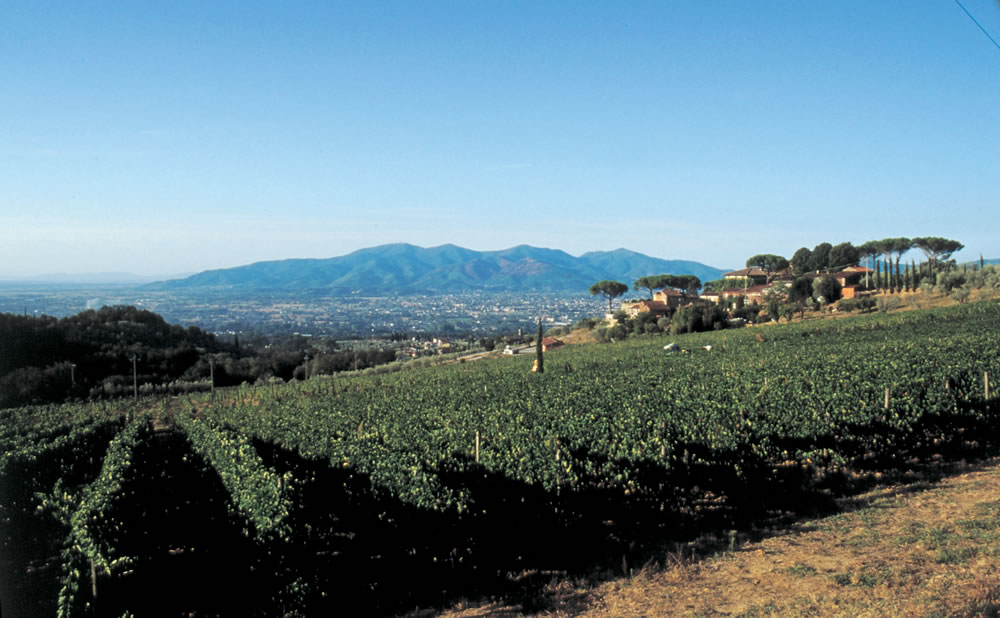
{"points": [[378, 494]]}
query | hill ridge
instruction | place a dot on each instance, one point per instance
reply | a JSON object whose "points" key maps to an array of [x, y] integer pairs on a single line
{"points": [[403, 268]]}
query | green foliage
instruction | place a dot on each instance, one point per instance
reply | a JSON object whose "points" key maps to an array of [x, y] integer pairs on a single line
{"points": [[768, 262], [688, 283], [843, 256], [820, 258], [961, 294], [950, 280], [697, 317], [726, 284], [650, 283], [886, 304], [46, 359], [617, 418], [828, 289], [936, 248], [801, 289], [801, 260], [259, 493], [609, 289]]}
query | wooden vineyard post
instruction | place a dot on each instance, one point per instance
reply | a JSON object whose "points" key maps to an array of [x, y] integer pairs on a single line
{"points": [[986, 389], [477, 446], [886, 397], [93, 581], [663, 439]]}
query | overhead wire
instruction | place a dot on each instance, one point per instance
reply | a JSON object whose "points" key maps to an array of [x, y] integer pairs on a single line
{"points": [[976, 21]]}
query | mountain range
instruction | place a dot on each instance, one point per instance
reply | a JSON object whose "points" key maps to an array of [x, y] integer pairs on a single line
{"points": [[408, 269]]}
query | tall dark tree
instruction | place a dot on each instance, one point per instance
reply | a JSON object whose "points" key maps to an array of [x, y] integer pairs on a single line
{"points": [[843, 256], [820, 259], [899, 247], [889, 247], [801, 260], [609, 289], [828, 289], [801, 289], [539, 356]]}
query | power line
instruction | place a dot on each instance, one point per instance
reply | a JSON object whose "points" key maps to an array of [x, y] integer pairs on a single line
{"points": [[975, 21]]}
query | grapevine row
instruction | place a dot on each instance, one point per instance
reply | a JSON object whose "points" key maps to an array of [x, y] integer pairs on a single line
{"points": [[259, 493]]}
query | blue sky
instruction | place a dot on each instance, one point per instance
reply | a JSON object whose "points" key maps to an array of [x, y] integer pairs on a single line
{"points": [[173, 137]]}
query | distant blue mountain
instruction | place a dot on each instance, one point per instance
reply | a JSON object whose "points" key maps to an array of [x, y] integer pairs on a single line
{"points": [[408, 269]]}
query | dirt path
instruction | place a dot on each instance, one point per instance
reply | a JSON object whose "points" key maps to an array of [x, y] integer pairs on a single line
{"points": [[905, 551]]}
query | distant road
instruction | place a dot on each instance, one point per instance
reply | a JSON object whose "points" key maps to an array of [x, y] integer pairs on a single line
{"points": [[479, 355]]}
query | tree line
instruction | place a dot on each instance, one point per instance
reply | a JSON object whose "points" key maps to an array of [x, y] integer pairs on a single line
{"points": [[109, 352], [883, 256]]}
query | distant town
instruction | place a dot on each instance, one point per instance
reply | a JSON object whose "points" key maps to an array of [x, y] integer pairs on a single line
{"points": [[473, 314]]}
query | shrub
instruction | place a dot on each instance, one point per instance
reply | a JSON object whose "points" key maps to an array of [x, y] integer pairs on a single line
{"points": [[826, 290], [948, 281], [889, 303], [849, 305], [961, 294]]}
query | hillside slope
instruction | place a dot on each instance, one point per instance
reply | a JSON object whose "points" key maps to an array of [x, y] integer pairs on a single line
{"points": [[407, 269]]}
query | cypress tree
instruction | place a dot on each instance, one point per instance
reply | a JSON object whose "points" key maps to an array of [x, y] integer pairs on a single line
{"points": [[539, 360], [916, 276], [899, 278], [878, 275]]}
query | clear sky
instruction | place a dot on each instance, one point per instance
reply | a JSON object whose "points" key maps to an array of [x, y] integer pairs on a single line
{"points": [[181, 136]]}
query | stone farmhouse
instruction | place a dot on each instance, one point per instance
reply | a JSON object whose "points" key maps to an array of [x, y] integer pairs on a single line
{"points": [[665, 301], [848, 278]]}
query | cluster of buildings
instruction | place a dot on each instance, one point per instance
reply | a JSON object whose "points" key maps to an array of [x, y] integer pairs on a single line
{"points": [[749, 283]]}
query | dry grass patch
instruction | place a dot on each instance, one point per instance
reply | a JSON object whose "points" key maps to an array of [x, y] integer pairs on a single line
{"points": [[934, 552]]}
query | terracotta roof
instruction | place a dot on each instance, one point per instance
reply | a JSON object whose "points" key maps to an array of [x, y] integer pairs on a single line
{"points": [[654, 304]]}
